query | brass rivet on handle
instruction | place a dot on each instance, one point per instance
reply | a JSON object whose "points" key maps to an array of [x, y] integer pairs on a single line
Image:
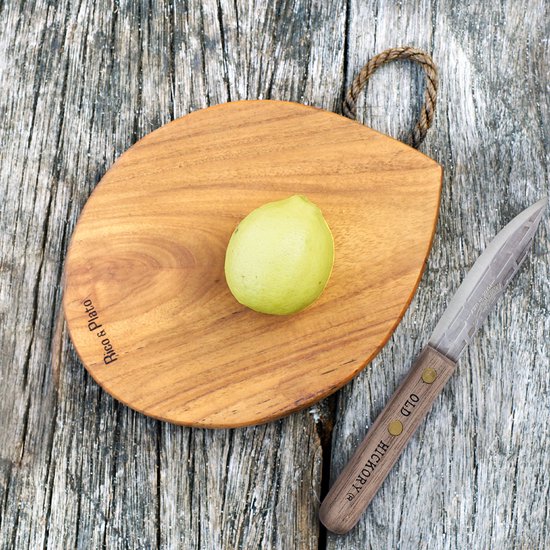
{"points": [[395, 427], [429, 375]]}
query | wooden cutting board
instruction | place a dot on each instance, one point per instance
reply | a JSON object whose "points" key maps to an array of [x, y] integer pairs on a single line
{"points": [[146, 301]]}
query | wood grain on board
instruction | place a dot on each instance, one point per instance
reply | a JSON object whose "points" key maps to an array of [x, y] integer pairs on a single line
{"points": [[146, 301], [81, 82]]}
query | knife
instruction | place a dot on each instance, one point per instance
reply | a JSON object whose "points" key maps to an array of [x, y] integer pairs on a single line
{"points": [[483, 285]]}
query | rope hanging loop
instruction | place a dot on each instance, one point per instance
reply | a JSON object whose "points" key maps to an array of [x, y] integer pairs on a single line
{"points": [[430, 94]]}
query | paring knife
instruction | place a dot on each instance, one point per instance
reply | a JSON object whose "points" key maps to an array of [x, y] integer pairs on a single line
{"points": [[483, 285]]}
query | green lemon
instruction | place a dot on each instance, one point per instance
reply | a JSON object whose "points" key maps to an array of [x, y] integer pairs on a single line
{"points": [[280, 257]]}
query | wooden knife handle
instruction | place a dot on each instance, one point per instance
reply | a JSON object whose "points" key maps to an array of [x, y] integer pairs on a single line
{"points": [[361, 478]]}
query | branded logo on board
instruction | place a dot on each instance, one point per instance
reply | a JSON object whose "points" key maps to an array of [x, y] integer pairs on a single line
{"points": [[94, 326]]}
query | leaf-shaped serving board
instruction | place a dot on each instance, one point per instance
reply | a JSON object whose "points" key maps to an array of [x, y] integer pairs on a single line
{"points": [[146, 302]]}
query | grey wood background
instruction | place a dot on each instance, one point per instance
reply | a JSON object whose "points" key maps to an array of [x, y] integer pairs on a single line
{"points": [[80, 82]]}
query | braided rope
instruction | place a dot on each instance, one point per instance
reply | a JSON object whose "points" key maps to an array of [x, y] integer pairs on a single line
{"points": [[430, 94]]}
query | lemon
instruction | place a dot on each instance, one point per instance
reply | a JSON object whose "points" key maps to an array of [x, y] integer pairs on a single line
{"points": [[280, 256]]}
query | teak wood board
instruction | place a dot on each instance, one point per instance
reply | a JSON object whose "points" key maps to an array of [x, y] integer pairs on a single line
{"points": [[144, 276]]}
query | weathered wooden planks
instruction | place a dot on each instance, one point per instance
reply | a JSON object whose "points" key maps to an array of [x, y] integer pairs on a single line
{"points": [[82, 81], [476, 476]]}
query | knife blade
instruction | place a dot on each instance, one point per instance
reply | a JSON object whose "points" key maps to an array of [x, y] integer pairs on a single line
{"points": [[486, 281]]}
